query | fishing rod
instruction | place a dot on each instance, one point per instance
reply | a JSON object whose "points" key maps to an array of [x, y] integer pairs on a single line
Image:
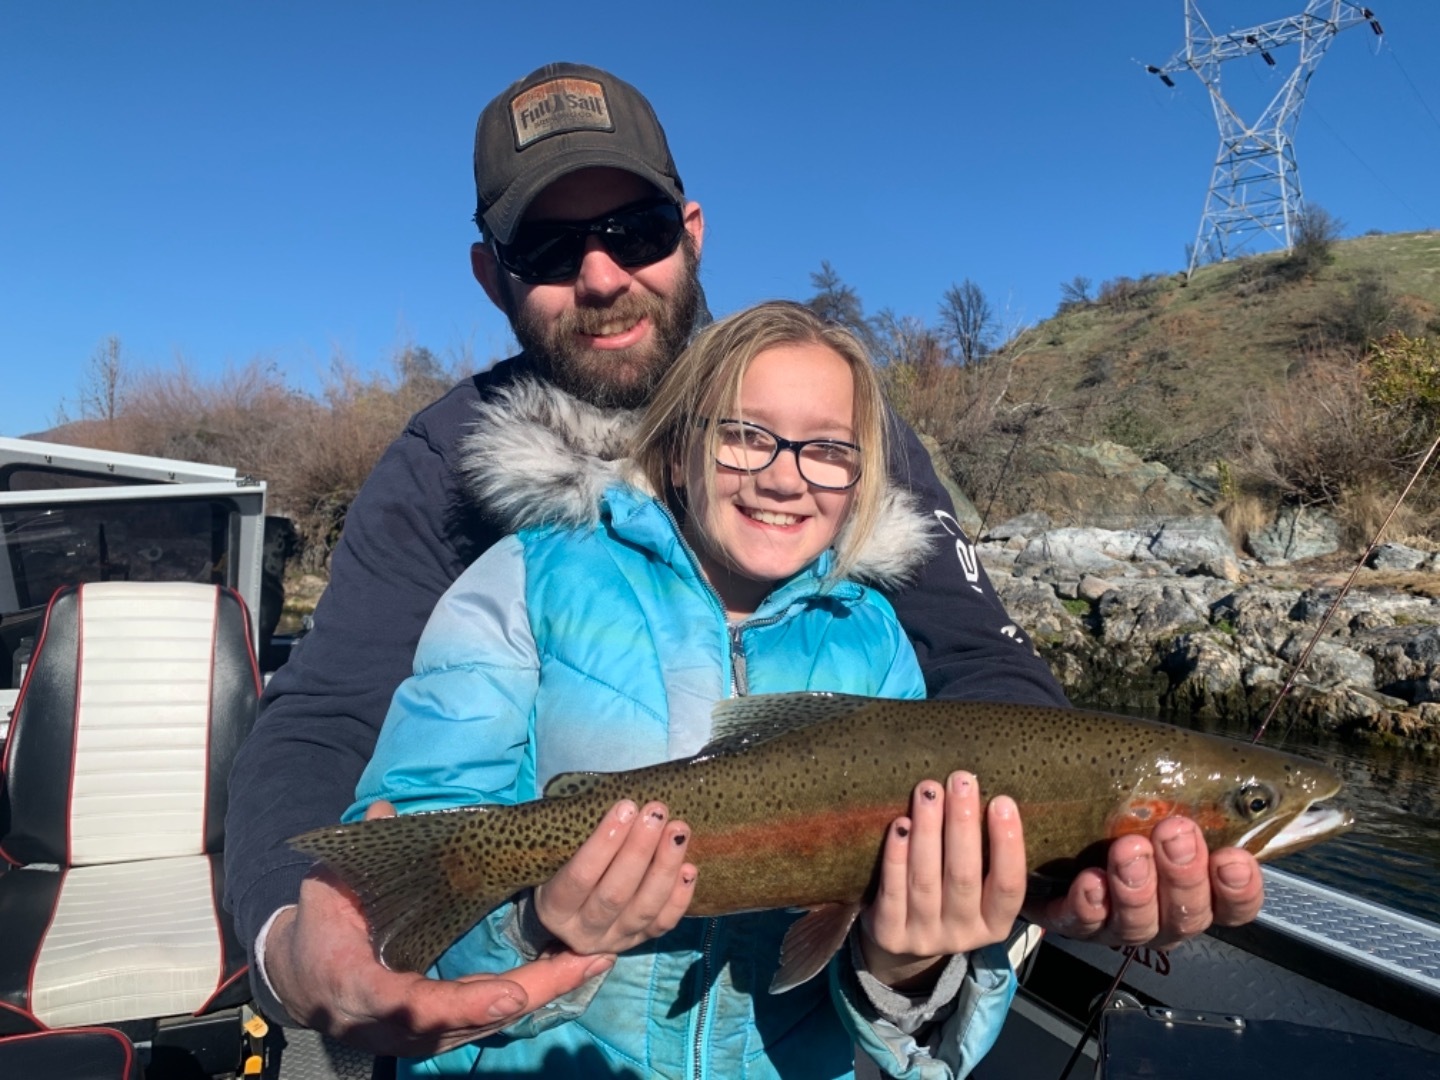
{"points": [[1099, 1009], [1104, 1000], [1340, 596]]}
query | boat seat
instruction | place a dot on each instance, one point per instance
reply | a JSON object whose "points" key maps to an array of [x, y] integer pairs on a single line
{"points": [[116, 776], [74, 1054]]}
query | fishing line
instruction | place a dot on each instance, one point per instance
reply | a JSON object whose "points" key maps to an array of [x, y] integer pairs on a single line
{"points": [[1096, 1014], [1340, 596]]}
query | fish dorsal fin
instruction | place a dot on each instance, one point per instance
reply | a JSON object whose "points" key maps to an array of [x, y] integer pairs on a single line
{"points": [[743, 722], [566, 785]]}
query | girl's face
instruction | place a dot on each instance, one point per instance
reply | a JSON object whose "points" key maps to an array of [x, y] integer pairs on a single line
{"points": [[764, 526]]}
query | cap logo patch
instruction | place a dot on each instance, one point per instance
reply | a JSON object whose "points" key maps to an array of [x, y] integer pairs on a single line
{"points": [[557, 106]]}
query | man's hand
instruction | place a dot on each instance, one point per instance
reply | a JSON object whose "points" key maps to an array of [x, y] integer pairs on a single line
{"points": [[1158, 892], [322, 966], [934, 897], [629, 882]]}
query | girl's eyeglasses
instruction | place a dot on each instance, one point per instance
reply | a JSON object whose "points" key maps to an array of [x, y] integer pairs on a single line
{"points": [[823, 463]]}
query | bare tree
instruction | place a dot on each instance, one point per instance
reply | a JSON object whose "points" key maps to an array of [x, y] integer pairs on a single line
{"points": [[1075, 293], [905, 340], [836, 302], [967, 321], [102, 389]]}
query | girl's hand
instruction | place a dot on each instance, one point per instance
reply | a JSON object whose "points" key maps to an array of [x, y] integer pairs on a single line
{"points": [[934, 899], [629, 882]]}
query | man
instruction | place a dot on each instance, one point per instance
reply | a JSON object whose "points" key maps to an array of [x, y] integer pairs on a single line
{"points": [[591, 249]]}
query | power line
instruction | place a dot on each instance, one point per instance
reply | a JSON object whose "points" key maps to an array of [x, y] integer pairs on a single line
{"points": [[1418, 96], [1366, 166]]}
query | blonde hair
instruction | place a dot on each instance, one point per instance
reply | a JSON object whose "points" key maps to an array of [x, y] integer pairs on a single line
{"points": [[704, 383]]}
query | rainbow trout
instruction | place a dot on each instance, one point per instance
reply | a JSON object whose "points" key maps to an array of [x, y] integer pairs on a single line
{"points": [[789, 805]]}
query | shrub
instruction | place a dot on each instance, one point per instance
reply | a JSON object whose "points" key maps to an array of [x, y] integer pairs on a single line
{"points": [[1403, 382], [1348, 435], [1313, 236]]}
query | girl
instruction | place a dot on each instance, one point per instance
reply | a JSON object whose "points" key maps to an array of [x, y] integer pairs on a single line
{"points": [[731, 552]]}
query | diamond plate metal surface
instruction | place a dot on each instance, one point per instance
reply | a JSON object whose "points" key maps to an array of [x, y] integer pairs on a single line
{"points": [[307, 1055], [1365, 932]]}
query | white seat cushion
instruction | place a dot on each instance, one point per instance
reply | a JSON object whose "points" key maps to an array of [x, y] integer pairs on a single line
{"points": [[129, 941], [142, 723]]}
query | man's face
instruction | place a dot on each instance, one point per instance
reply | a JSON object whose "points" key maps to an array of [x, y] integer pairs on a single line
{"points": [[609, 335]]}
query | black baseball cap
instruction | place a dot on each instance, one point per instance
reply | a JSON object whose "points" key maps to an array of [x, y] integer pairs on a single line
{"points": [[554, 121]]}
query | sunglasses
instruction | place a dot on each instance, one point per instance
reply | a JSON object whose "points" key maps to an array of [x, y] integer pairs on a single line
{"points": [[548, 252]]}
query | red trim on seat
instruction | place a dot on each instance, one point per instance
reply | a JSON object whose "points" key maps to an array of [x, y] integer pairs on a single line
{"points": [[225, 984], [40, 943], [125, 1043], [27, 1014], [74, 726], [209, 729], [15, 715], [249, 640]]}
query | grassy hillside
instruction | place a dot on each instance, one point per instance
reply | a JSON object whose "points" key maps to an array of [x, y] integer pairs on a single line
{"points": [[1182, 371], [1170, 368]]}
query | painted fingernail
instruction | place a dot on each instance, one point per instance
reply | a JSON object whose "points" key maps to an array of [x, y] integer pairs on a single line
{"points": [[1136, 872], [1181, 848], [929, 794], [506, 1006], [688, 879], [680, 839], [960, 782], [1234, 875], [902, 831], [626, 810]]}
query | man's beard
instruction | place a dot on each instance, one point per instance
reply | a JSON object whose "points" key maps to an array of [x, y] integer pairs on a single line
{"points": [[612, 378]]}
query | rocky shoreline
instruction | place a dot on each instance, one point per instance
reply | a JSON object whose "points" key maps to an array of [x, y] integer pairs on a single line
{"points": [[1169, 618], [1134, 591]]}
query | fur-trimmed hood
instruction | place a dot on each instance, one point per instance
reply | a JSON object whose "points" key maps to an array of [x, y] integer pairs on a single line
{"points": [[537, 456]]}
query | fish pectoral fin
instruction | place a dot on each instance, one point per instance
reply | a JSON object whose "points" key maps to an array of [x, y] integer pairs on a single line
{"points": [[810, 943], [566, 785], [741, 722]]}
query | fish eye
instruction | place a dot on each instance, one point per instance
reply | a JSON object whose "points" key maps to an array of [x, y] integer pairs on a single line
{"points": [[1253, 800]]}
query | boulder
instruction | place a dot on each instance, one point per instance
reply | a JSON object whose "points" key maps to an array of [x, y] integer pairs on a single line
{"points": [[1110, 485], [1330, 664], [1298, 533], [1198, 545], [1075, 552], [1397, 557]]}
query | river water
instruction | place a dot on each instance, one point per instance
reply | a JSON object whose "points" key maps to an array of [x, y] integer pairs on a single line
{"points": [[1392, 855]]}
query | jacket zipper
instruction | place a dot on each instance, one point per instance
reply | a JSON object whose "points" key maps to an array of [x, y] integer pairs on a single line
{"points": [[706, 948], [739, 687], [739, 680]]}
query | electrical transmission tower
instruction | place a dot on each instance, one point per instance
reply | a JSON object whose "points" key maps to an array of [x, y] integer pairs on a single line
{"points": [[1255, 185]]}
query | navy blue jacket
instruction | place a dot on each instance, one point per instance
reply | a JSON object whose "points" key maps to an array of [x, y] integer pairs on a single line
{"points": [[411, 532]]}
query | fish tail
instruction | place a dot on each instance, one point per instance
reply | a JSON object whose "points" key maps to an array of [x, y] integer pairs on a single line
{"points": [[407, 887]]}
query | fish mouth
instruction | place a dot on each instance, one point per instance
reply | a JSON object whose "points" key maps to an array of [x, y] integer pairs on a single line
{"points": [[1315, 823]]}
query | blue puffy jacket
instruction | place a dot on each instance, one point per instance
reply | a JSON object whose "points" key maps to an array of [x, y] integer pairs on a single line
{"points": [[589, 639]]}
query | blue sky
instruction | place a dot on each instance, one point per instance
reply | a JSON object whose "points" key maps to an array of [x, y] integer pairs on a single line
{"points": [[223, 182]]}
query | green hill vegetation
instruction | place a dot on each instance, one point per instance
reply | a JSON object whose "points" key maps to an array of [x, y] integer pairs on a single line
{"points": [[1308, 378], [1175, 369]]}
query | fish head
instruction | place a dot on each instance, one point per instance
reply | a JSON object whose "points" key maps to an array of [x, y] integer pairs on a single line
{"points": [[1240, 795]]}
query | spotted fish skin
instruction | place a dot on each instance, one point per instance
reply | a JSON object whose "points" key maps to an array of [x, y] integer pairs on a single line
{"points": [[789, 807]]}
